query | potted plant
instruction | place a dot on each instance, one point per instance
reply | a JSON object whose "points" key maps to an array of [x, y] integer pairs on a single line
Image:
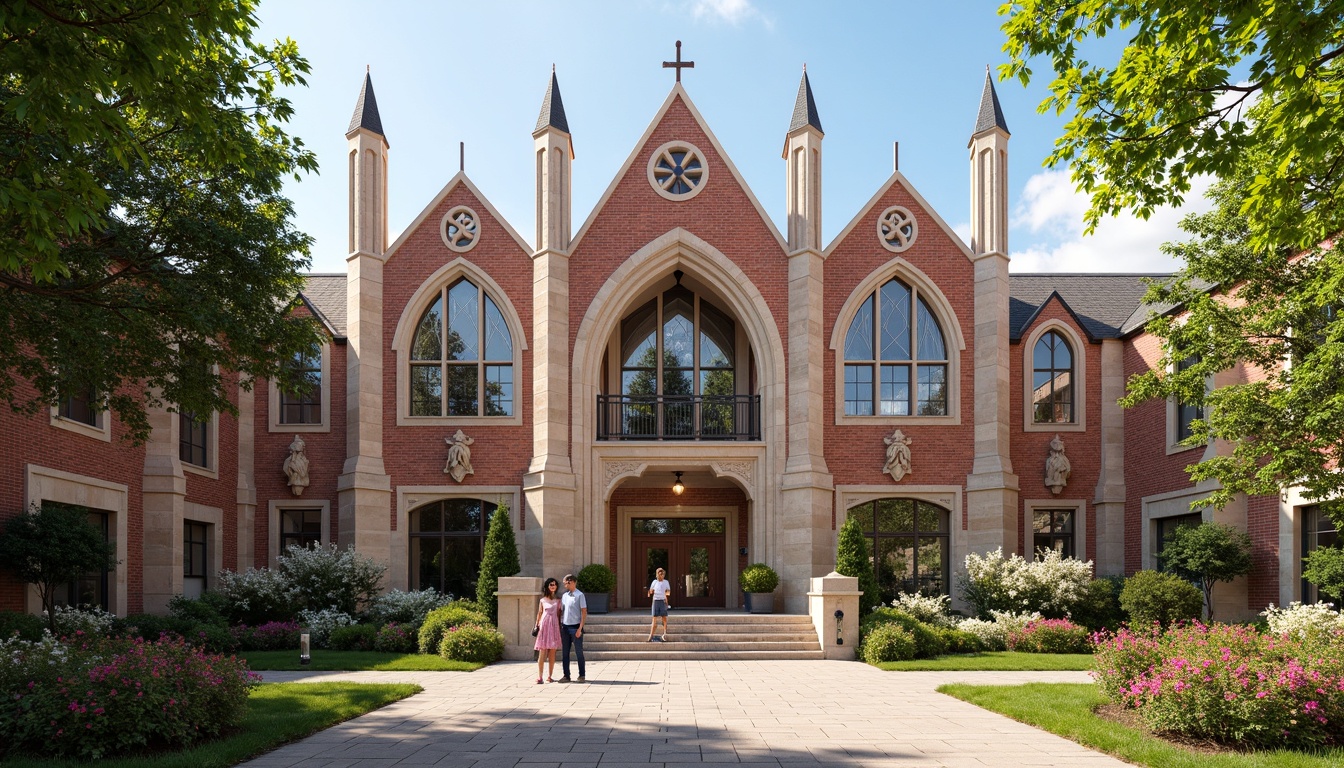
{"points": [[759, 580], [597, 582]]}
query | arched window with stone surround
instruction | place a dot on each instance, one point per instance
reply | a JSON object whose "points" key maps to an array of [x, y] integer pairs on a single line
{"points": [[896, 359], [461, 356], [447, 544], [909, 542], [1052, 380]]}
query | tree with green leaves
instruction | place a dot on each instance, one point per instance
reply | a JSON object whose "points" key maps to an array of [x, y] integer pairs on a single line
{"points": [[1207, 554], [1251, 94], [1324, 566], [852, 559], [500, 559], [147, 254], [51, 546]]}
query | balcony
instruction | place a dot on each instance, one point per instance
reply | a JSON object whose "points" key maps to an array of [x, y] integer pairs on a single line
{"points": [[678, 417]]}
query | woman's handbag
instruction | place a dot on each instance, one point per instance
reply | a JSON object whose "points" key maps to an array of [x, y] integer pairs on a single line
{"points": [[535, 630]]}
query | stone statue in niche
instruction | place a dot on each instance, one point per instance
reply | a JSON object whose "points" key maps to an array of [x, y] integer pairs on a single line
{"points": [[296, 466], [898, 455], [1057, 467], [459, 456]]}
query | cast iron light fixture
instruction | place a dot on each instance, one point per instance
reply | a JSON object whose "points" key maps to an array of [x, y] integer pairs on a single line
{"points": [[304, 657], [677, 487], [839, 627]]}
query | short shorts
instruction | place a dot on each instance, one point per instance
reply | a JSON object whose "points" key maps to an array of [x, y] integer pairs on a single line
{"points": [[659, 607]]}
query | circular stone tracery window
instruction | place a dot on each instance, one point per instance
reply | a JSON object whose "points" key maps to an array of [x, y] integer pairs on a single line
{"points": [[460, 229], [897, 229], [678, 171]]}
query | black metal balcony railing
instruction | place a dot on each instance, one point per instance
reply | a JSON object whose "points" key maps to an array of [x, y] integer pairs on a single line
{"points": [[678, 417]]}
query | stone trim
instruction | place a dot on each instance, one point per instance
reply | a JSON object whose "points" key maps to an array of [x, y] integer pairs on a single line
{"points": [[625, 513], [1079, 507], [866, 210], [408, 497], [273, 400], [953, 340], [459, 178], [273, 527], [1078, 350], [46, 484], [103, 430], [211, 469], [213, 517], [1162, 505], [405, 333]]}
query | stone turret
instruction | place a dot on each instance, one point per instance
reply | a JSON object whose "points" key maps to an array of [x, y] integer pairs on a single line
{"points": [[989, 175], [555, 152], [802, 152]]}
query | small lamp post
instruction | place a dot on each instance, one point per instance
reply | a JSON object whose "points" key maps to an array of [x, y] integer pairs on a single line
{"points": [[839, 627], [304, 657]]}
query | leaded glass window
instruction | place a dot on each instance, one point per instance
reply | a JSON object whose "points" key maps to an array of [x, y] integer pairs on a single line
{"points": [[896, 360], [908, 544], [1052, 380], [461, 357]]}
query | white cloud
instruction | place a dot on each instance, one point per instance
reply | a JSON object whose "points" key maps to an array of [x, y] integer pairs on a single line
{"points": [[731, 11], [1051, 211]]}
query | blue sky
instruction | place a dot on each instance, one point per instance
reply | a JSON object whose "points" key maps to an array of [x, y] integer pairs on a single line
{"points": [[904, 70]]}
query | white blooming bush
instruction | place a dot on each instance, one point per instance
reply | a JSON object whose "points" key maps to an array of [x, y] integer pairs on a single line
{"points": [[328, 577], [91, 620], [406, 607], [1053, 585], [991, 634], [258, 595], [930, 610], [1301, 620], [320, 624]]}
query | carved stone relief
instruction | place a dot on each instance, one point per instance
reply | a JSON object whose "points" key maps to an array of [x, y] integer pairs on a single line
{"points": [[742, 470], [459, 456], [614, 469], [296, 466], [1057, 467], [898, 455]]}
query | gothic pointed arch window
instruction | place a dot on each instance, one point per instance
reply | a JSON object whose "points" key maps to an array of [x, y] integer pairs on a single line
{"points": [[462, 356], [1052, 380], [896, 356]]}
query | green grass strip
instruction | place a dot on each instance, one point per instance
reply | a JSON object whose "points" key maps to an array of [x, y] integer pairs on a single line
{"points": [[354, 661], [278, 714], [996, 661], [1065, 709]]}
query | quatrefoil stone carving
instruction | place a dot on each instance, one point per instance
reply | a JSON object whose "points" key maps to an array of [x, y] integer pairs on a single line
{"points": [[897, 229], [461, 229]]}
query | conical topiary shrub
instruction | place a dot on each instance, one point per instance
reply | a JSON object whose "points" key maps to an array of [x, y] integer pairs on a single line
{"points": [[500, 559], [851, 559]]}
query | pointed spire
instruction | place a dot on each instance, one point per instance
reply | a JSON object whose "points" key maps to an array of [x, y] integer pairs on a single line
{"points": [[991, 116], [366, 109], [552, 108], [805, 107]]}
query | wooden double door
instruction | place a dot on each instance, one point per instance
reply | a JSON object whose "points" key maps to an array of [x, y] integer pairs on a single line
{"points": [[694, 566]]}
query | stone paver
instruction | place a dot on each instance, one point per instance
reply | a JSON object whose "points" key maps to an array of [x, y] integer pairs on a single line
{"points": [[640, 714]]}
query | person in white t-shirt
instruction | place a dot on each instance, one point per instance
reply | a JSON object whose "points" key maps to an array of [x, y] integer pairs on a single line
{"points": [[659, 590]]}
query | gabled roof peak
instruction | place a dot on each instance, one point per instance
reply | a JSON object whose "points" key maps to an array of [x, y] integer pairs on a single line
{"points": [[552, 108], [366, 110], [990, 115], [805, 107]]}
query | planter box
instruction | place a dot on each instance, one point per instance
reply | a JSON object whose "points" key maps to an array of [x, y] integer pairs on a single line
{"points": [[761, 602], [598, 603]]}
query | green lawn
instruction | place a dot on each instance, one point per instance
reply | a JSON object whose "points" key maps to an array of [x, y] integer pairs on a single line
{"points": [[996, 661], [279, 713], [1066, 709], [354, 661]]}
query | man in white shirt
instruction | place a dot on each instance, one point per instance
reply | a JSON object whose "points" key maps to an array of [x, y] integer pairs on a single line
{"points": [[659, 590], [573, 614]]}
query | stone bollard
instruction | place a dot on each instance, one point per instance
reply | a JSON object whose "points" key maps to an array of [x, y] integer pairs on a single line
{"points": [[518, 598], [831, 593]]}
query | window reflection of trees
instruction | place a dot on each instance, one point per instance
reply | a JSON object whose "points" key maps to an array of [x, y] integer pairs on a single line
{"points": [[896, 360], [908, 544], [447, 543], [461, 357]]}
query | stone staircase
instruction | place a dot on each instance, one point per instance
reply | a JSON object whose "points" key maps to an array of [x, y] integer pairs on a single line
{"points": [[701, 636]]}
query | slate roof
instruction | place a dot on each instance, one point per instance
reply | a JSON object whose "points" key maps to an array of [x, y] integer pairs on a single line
{"points": [[1108, 306], [325, 294], [366, 110], [805, 108], [991, 115], [552, 108]]}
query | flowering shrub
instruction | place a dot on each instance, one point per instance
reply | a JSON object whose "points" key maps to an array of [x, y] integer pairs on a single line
{"points": [[452, 615], [991, 634], [930, 610], [406, 607], [1301, 620], [1050, 636], [888, 642], [101, 696], [89, 620], [320, 624], [258, 595], [397, 638], [271, 636], [1053, 585], [1228, 683], [478, 643], [328, 577]]}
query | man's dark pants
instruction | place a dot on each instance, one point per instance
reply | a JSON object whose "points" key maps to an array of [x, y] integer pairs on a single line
{"points": [[567, 638]]}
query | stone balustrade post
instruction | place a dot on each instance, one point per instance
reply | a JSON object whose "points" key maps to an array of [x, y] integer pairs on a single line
{"points": [[831, 593], [518, 596]]}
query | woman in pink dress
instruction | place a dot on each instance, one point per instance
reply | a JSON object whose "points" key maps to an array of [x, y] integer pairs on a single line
{"points": [[548, 629]]}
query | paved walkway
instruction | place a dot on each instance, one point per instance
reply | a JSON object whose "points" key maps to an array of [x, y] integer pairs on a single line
{"points": [[679, 713]]}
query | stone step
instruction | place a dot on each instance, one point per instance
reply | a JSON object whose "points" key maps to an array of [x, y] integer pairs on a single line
{"points": [[680, 655], [656, 648], [700, 637]]}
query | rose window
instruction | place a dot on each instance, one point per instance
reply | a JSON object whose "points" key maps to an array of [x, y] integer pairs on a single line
{"points": [[677, 171], [897, 229], [461, 229]]}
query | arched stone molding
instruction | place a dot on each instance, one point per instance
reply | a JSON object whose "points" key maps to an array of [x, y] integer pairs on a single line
{"points": [[1078, 348], [678, 248], [742, 472], [615, 472], [405, 333], [942, 310]]}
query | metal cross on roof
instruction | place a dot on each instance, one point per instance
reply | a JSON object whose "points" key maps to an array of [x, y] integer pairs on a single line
{"points": [[678, 64]]}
